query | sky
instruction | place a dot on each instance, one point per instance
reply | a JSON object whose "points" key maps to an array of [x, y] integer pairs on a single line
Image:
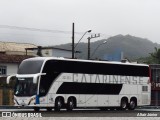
{"points": [[140, 18]]}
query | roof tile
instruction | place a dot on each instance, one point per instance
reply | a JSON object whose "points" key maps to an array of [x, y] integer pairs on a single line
{"points": [[5, 58]]}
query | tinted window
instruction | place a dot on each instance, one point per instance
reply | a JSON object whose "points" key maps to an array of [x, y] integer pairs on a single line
{"points": [[30, 67], [25, 87], [98, 68], [47, 80]]}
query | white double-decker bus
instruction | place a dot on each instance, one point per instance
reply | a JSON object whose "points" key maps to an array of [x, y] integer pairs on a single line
{"points": [[48, 82]]}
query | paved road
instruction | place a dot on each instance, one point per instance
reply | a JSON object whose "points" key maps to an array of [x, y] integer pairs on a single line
{"points": [[87, 113]]}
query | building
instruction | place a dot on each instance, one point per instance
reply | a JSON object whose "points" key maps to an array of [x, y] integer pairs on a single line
{"points": [[51, 51], [9, 63], [11, 55], [155, 84], [12, 48], [117, 55]]}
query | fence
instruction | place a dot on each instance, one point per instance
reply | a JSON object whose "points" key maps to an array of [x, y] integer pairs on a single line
{"points": [[6, 96]]}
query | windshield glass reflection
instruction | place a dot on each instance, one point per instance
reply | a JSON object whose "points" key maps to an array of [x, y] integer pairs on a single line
{"points": [[25, 87]]}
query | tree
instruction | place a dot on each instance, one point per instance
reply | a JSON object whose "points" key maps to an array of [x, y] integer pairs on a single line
{"points": [[156, 55]]}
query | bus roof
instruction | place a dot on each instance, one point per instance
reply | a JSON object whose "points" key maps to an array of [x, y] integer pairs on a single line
{"points": [[81, 60]]}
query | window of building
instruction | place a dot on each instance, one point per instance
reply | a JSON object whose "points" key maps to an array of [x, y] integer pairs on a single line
{"points": [[153, 72], [3, 70], [155, 75]]}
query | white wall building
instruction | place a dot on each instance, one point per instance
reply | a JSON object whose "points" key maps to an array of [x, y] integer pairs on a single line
{"points": [[9, 63], [8, 69], [56, 52], [11, 55], [52, 52]]}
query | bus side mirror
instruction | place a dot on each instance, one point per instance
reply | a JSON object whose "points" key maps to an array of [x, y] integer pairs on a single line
{"points": [[35, 78], [9, 78]]}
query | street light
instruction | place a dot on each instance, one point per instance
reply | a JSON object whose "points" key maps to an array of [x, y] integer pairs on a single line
{"points": [[89, 38], [82, 37], [97, 48]]}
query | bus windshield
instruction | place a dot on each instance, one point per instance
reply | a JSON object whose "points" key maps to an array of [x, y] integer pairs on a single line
{"points": [[30, 66], [25, 87]]}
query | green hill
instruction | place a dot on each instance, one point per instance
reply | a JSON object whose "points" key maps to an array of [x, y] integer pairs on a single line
{"points": [[132, 47]]}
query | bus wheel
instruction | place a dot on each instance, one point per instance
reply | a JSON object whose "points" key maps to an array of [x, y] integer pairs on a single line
{"points": [[132, 104], [71, 104], [124, 104], [58, 104]]}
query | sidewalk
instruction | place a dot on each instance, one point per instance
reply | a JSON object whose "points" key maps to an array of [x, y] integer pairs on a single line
{"points": [[149, 107], [13, 107]]}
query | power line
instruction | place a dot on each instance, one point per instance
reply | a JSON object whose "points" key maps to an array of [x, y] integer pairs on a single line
{"points": [[34, 29], [45, 30], [37, 29]]}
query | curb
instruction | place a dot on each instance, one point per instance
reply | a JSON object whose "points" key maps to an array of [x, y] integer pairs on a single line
{"points": [[149, 107]]}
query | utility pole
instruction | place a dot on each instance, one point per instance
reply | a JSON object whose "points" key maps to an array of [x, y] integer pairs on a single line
{"points": [[89, 38], [73, 41], [39, 51]]}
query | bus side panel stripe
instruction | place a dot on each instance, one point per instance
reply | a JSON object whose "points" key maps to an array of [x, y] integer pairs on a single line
{"points": [[89, 88]]}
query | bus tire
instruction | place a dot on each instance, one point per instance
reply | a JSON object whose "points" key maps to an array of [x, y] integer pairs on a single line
{"points": [[58, 104], [71, 104], [132, 104], [124, 104]]}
